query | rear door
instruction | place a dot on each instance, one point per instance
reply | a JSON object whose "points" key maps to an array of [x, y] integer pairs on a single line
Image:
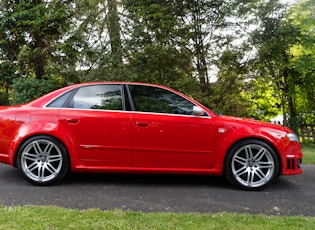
{"points": [[100, 127]]}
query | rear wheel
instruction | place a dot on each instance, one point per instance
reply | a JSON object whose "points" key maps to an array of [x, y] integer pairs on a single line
{"points": [[42, 160], [251, 165]]}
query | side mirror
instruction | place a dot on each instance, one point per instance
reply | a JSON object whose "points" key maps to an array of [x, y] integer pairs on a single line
{"points": [[197, 111]]}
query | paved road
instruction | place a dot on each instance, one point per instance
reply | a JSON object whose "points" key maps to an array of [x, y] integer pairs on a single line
{"points": [[288, 195]]}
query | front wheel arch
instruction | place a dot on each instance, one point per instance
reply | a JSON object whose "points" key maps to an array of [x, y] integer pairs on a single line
{"points": [[234, 164]]}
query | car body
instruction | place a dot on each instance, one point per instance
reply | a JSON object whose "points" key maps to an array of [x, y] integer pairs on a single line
{"points": [[126, 127]]}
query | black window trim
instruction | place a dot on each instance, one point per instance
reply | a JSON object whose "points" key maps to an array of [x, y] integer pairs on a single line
{"points": [[132, 105]]}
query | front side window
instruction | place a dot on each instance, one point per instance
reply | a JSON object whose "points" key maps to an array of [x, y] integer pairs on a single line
{"points": [[158, 100], [107, 97]]}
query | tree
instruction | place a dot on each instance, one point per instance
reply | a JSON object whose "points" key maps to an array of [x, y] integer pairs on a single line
{"points": [[157, 49], [302, 16], [114, 32], [7, 74], [248, 46], [227, 92], [30, 32], [274, 38], [98, 39], [203, 21]]}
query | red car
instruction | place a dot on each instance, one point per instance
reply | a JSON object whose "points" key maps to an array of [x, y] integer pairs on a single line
{"points": [[121, 127]]}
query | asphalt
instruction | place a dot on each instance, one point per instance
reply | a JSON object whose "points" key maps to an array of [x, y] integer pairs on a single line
{"points": [[287, 195]]}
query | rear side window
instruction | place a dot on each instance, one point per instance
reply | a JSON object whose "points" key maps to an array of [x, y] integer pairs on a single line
{"points": [[61, 100], [107, 97]]}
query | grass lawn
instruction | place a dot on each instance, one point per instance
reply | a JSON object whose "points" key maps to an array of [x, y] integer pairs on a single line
{"points": [[38, 217], [309, 153]]}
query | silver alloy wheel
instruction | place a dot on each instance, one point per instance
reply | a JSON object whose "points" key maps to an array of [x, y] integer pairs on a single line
{"points": [[41, 160], [253, 165]]}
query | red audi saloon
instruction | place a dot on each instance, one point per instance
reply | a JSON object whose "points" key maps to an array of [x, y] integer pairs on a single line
{"points": [[125, 127]]}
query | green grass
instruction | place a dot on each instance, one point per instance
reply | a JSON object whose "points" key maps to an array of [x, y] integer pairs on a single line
{"points": [[308, 153], [39, 217]]}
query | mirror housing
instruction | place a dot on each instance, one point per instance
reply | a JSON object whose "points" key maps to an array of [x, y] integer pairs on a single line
{"points": [[197, 111]]}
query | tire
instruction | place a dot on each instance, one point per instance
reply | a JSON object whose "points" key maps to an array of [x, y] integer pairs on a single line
{"points": [[42, 160], [251, 165]]}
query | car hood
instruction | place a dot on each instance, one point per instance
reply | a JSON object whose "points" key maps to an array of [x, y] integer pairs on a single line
{"points": [[252, 122]]}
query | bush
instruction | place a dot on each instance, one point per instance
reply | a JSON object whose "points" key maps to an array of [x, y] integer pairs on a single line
{"points": [[29, 88]]}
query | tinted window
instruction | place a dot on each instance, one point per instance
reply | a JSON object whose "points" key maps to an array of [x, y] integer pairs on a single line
{"points": [[60, 101], [107, 97], [157, 100]]}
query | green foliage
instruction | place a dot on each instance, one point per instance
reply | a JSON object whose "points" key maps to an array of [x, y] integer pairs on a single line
{"points": [[159, 64], [28, 89], [4, 98], [181, 44], [7, 75], [264, 101], [30, 32], [157, 46], [303, 59], [279, 42]]}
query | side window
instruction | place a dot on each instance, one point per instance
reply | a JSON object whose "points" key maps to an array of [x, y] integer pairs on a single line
{"points": [[158, 100], [107, 97], [60, 101]]}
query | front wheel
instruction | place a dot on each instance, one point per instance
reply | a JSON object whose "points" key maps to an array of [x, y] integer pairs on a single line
{"points": [[251, 165], [42, 160]]}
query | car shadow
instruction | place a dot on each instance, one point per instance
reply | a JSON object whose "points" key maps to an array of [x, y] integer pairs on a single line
{"points": [[11, 175], [146, 179], [165, 180]]}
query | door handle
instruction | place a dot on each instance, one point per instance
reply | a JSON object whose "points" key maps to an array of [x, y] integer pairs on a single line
{"points": [[140, 124], [72, 120]]}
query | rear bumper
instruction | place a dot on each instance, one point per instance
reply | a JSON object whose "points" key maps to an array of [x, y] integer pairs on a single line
{"points": [[4, 158]]}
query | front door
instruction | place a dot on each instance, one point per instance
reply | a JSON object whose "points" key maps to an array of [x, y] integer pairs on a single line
{"points": [[165, 133]]}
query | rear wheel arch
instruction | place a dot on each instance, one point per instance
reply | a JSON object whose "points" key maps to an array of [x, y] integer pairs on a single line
{"points": [[39, 135], [55, 158]]}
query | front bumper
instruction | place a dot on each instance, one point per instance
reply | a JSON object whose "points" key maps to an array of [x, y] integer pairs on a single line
{"points": [[292, 165]]}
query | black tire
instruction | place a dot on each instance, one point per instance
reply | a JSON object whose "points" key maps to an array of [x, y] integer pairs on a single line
{"points": [[42, 160], [251, 165]]}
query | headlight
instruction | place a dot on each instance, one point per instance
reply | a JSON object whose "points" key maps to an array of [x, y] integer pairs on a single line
{"points": [[293, 137]]}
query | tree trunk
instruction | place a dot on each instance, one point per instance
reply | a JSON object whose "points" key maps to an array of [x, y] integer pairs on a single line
{"points": [[200, 51], [114, 33], [289, 93]]}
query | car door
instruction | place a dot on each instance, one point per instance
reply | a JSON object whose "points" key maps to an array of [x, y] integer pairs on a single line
{"points": [[99, 126], [165, 134]]}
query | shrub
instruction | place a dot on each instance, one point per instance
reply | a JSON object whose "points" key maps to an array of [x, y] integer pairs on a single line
{"points": [[28, 88]]}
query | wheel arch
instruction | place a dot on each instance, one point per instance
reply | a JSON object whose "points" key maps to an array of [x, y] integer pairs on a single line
{"points": [[269, 143], [41, 135]]}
